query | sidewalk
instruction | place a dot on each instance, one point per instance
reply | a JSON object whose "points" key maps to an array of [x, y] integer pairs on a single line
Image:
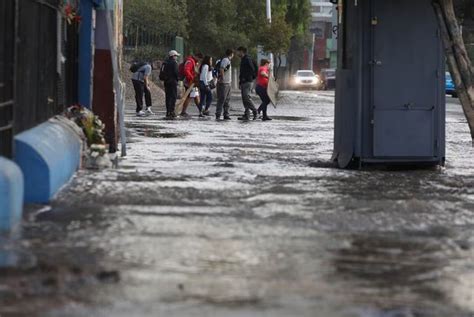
{"points": [[207, 218]]}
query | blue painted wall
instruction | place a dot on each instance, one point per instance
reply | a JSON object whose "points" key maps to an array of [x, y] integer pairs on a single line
{"points": [[11, 194], [48, 156], [86, 36]]}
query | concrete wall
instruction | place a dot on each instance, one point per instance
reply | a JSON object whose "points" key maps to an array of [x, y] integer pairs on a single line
{"points": [[11, 194], [48, 156]]}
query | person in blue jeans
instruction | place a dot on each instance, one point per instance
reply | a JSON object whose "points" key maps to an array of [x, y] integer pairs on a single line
{"points": [[206, 81]]}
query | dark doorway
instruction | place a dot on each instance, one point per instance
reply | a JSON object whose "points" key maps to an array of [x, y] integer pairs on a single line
{"points": [[7, 63]]}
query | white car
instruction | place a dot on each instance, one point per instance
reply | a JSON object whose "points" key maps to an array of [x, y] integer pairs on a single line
{"points": [[306, 79]]}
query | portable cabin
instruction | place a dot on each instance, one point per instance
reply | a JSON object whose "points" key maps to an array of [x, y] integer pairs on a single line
{"points": [[390, 98]]}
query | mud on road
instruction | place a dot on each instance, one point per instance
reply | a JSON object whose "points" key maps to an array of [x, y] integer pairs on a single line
{"points": [[207, 218]]}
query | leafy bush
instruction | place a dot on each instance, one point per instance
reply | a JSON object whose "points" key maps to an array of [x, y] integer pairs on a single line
{"points": [[90, 124]]}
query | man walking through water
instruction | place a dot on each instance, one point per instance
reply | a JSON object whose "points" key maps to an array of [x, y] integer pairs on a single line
{"points": [[169, 76], [248, 73], [223, 85]]}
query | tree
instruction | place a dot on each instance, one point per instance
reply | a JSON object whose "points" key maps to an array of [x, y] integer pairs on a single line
{"points": [[162, 16], [458, 59], [465, 13], [275, 38], [214, 26], [298, 16]]}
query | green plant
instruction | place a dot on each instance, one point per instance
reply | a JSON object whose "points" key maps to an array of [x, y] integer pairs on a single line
{"points": [[90, 124]]}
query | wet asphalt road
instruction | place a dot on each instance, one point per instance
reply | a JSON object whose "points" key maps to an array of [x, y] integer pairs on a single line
{"points": [[206, 218]]}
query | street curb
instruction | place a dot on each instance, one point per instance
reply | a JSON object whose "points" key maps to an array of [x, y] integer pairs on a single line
{"points": [[11, 195], [48, 156]]}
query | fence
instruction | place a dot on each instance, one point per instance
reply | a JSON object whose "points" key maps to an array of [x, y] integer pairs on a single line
{"points": [[7, 62], [136, 36], [39, 94]]}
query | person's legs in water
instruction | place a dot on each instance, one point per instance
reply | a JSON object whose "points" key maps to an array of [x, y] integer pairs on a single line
{"points": [[138, 86], [197, 101], [186, 102], [262, 93], [227, 102], [247, 101], [171, 91], [221, 95], [208, 102], [167, 100], [147, 100], [202, 93]]}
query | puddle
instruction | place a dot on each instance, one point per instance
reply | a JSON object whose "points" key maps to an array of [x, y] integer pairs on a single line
{"points": [[155, 133], [290, 118], [138, 125]]}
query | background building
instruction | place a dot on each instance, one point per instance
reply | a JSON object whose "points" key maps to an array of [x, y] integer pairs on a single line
{"points": [[324, 28]]}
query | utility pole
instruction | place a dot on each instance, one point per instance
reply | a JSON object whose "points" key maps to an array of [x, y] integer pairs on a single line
{"points": [[269, 18], [311, 56]]}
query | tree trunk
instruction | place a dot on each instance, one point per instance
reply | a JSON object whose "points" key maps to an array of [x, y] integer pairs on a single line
{"points": [[458, 60]]}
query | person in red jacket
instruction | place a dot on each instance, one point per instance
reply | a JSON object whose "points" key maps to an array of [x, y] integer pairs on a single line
{"points": [[263, 78], [191, 75]]}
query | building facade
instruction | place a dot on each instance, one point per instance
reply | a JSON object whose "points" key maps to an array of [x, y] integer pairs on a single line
{"points": [[324, 28]]}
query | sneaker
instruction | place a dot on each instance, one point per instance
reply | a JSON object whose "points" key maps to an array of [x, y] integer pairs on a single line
{"points": [[266, 119], [227, 118], [184, 115], [149, 112], [206, 113], [244, 118], [255, 114], [141, 113], [218, 117]]}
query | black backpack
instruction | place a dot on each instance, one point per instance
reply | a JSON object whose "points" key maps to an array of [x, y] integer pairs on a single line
{"points": [[136, 66], [163, 73], [217, 70]]}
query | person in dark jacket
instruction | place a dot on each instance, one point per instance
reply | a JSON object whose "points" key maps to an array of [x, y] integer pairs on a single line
{"points": [[170, 81], [248, 73]]}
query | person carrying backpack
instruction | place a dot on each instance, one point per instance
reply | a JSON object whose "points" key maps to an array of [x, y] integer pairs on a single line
{"points": [[248, 72], [169, 76], [223, 85], [191, 76], [141, 85]]}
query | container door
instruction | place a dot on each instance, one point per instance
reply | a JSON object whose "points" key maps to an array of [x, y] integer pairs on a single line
{"points": [[405, 78]]}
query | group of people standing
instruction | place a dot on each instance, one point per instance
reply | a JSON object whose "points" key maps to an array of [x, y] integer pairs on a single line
{"points": [[200, 76]]}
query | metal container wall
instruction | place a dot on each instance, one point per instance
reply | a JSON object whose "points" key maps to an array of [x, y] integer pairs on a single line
{"points": [[390, 100]]}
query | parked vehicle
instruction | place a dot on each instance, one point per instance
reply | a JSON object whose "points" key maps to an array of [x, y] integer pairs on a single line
{"points": [[449, 86], [306, 79], [328, 76]]}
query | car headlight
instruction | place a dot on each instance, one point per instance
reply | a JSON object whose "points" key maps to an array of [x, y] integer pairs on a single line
{"points": [[297, 80]]}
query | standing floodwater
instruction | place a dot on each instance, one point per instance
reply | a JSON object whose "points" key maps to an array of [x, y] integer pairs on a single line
{"points": [[207, 218]]}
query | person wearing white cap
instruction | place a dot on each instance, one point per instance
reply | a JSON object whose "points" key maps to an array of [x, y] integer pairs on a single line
{"points": [[169, 76]]}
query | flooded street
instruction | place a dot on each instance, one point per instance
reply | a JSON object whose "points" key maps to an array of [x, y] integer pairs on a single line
{"points": [[206, 218]]}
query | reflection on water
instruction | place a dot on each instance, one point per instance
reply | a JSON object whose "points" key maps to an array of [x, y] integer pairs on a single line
{"points": [[401, 275], [205, 219]]}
